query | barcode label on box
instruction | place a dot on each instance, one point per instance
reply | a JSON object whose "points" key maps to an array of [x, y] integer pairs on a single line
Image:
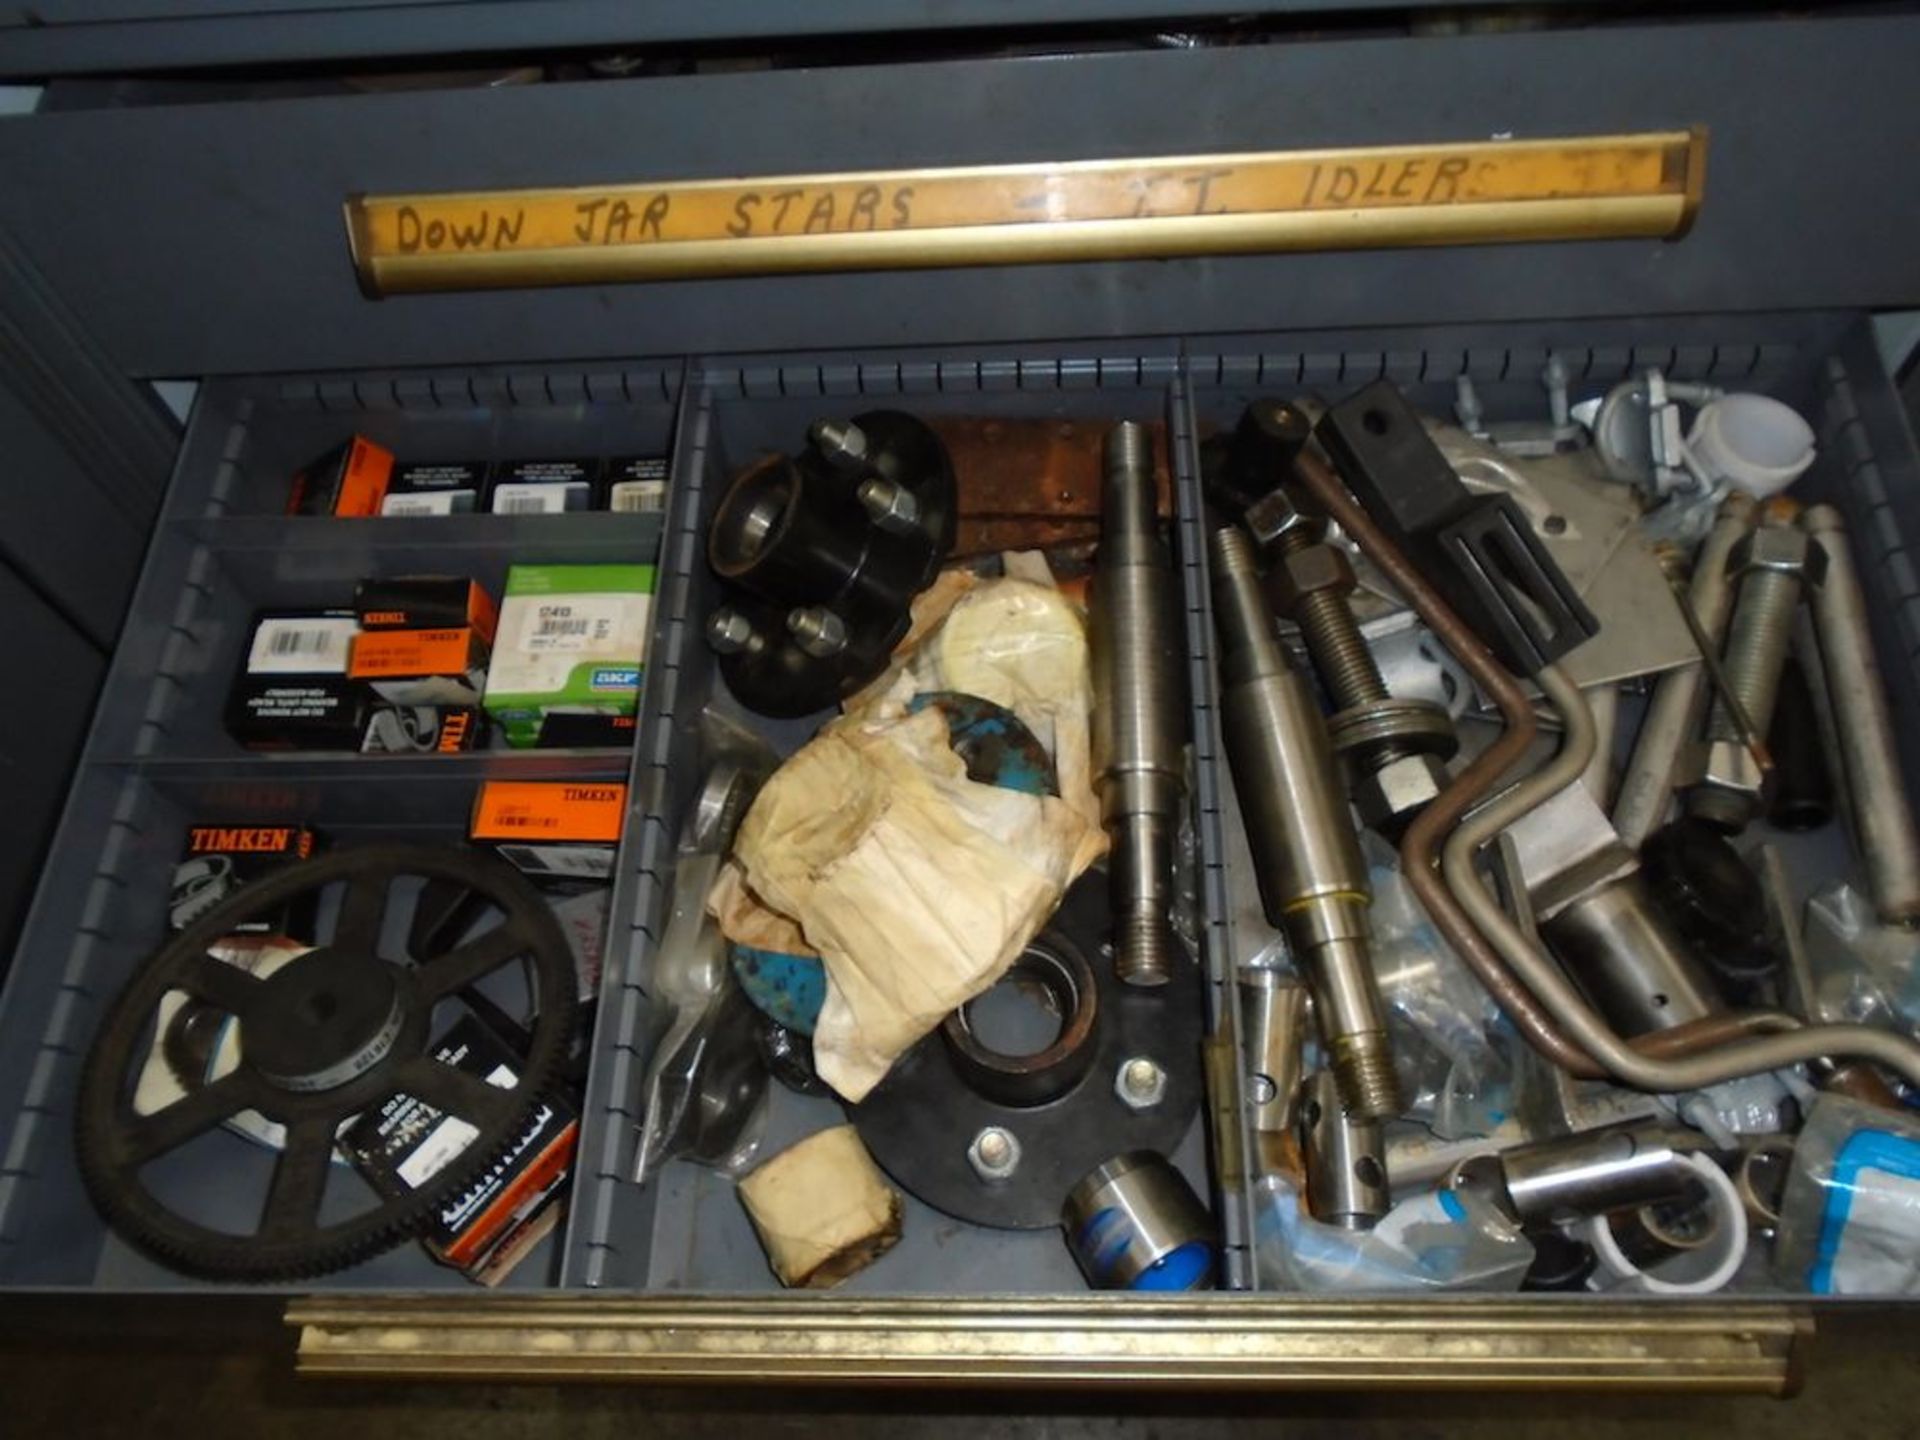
{"points": [[572, 624], [316, 645], [538, 499], [441, 502], [638, 496]]}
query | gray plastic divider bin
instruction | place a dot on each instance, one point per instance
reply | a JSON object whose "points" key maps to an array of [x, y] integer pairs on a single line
{"points": [[157, 753]]}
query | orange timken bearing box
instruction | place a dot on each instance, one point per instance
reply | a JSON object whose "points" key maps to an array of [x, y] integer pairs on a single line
{"points": [[422, 667], [553, 829], [349, 481], [425, 602]]}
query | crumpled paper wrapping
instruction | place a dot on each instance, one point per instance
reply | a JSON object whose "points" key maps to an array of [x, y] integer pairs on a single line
{"points": [[822, 1209], [916, 886]]}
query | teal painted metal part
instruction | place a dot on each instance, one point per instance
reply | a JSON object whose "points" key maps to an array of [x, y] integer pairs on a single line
{"points": [[994, 742], [790, 988]]}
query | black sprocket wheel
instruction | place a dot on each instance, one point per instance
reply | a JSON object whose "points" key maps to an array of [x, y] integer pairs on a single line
{"points": [[330, 1035]]}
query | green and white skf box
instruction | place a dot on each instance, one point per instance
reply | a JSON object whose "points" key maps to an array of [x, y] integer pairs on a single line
{"points": [[572, 640]]}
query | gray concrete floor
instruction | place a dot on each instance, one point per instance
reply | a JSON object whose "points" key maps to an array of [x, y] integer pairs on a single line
{"points": [[204, 1372]]}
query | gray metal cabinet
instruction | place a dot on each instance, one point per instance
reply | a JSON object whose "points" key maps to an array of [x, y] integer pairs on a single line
{"points": [[205, 240]]}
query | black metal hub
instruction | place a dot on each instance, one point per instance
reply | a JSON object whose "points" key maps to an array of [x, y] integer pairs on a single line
{"points": [[322, 1020], [332, 1034], [790, 533], [1061, 1105], [1058, 968]]}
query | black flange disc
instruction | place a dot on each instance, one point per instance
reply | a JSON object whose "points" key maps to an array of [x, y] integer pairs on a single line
{"points": [[331, 1035], [920, 1120]]}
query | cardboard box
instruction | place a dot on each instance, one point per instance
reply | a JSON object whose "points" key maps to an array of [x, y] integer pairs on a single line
{"points": [[218, 858], [300, 642], [552, 829], [349, 481], [321, 712], [406, 1142], [293, 691], [572, 639], [425, 602], [421, 730], [422, 667], [544, 487], [436, 487], [637, 484], [578, 730]]}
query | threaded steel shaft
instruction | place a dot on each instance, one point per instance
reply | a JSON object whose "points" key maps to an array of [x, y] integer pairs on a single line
{"points": [[1339, 650], [1340, 654], [1757, 644], [1362, 1065], [1138, 713]]}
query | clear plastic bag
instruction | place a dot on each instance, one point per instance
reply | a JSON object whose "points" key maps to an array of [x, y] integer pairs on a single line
{"points": [[1436, 1240], [1458, 1079], [1864, 972], [706, 1086], [1850, 1218], [706, 1097]]}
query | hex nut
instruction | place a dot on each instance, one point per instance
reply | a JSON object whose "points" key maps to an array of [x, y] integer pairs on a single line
{"points": [[994, 1154], [1274, 516], [1309, 571], [892, 507], [1140, 1083], [843, 443], [818, 631], [1784, 549], [1731, 788], [729, 632], [1389, 798]]}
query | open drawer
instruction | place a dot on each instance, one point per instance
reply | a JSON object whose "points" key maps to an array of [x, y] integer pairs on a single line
{"points": [[668, 1279]]}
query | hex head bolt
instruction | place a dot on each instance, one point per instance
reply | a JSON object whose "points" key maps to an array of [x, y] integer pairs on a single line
{"points": [[1396, 748]]}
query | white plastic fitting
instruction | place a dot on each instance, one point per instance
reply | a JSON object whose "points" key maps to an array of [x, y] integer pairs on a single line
{"points": [[1749, 442], [1690, 1272]]}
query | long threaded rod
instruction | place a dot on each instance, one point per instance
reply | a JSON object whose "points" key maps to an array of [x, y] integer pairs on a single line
{"points": [[1137, 727], [1757, 645]]}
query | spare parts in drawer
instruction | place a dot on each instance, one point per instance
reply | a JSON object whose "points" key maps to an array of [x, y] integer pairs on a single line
{"points": [[363, 478], [334, 1053], [430, 664], [1507, 1024], [1663, 984]]}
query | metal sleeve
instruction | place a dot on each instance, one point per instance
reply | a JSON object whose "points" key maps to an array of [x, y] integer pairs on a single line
{"points": [[1883, 815]]}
